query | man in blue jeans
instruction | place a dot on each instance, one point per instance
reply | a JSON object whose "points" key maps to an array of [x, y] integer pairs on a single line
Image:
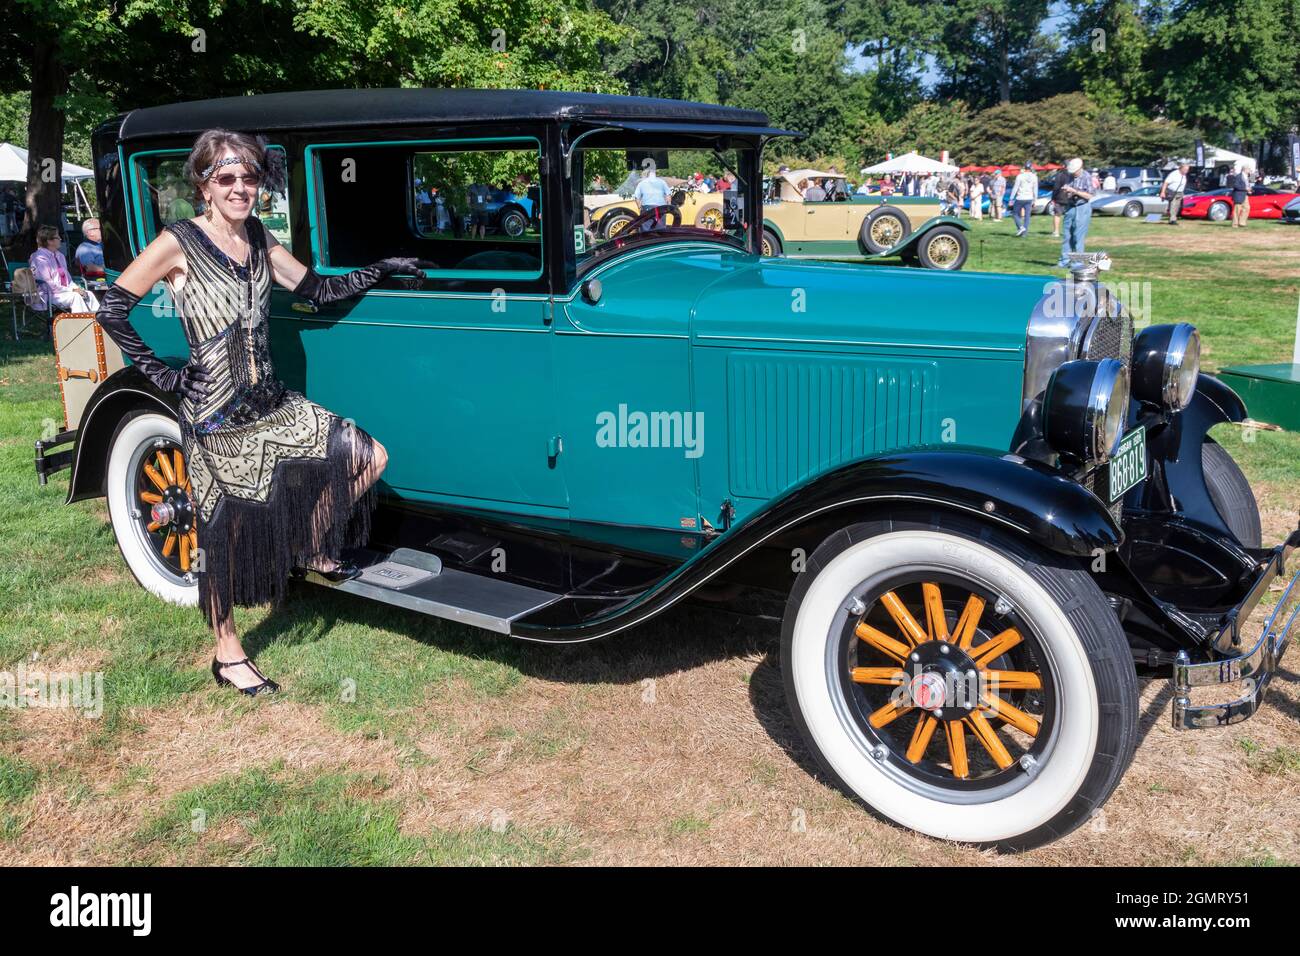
{"points": [[1073, 194]]}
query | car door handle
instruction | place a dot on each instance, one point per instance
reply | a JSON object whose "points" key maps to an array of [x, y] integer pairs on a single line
{"points": [[307, 307]]}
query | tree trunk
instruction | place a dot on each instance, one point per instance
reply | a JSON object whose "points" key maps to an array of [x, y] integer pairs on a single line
{"points": [[1004, 74], [44, 145]]}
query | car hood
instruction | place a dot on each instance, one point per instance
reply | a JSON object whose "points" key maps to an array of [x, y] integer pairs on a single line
{"points": [[779, 301]]}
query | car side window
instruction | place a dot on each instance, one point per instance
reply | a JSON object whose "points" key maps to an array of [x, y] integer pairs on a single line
{"points": [[163, 196], [472, 211]]}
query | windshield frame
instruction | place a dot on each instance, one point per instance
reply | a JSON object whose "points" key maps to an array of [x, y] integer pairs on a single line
{"points": [[748, 165]]}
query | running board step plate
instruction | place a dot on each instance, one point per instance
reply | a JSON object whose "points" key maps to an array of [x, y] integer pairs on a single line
{"points": [[417, 580]]}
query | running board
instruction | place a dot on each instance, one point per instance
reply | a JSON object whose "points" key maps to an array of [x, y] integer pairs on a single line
{"points": [[417, 580]]}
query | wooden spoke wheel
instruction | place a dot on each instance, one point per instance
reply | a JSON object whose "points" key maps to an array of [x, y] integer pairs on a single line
{"points": [[948, 679], [151, 506], [166, 508], [960, 679]]}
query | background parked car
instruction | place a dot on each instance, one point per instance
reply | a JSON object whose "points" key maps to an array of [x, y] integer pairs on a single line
{"points": [[1132, 205], [1130, 179], [1216, 205]]}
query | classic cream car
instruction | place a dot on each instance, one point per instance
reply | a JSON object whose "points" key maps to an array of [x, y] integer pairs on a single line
{"points": [[850, 226], [610, 212]]}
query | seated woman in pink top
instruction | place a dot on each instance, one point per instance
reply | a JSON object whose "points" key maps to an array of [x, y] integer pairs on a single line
{"points": [[50, 270]]}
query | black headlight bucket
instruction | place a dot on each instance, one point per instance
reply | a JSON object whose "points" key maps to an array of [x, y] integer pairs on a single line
{"points": [[1085, 408], [1166, 363]]}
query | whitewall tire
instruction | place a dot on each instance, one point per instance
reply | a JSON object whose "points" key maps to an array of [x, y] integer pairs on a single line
{"points": [[1009, 736], [138, 442]]}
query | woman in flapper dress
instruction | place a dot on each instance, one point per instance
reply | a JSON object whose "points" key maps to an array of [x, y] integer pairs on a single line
{"points": [[278, 482]]}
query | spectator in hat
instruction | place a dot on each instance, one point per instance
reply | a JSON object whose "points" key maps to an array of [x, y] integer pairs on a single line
{"points": [[1074, 196]]}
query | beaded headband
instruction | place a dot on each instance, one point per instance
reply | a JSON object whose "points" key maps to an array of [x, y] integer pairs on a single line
{"points": [[226, 162]]}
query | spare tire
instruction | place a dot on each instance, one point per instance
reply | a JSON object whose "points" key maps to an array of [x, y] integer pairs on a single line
{"points": [[883, 229]]}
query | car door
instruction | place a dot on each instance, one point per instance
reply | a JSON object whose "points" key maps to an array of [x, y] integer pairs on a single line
{"points": [[457, 378]]}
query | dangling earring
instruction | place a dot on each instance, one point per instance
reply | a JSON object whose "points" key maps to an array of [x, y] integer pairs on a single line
{"points": [[207, 211]]}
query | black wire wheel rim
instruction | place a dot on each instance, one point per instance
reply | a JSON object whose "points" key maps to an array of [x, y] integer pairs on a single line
{"points": [[887, 746]]}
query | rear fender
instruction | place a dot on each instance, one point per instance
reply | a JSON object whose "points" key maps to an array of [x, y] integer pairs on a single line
{"points": [[125, 391]]}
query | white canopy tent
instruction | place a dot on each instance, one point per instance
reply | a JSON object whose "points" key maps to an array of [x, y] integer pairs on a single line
{"points": [[912, 162], [13, 166]]}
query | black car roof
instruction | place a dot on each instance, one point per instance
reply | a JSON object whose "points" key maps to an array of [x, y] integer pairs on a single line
{"points": [[318, 109]]}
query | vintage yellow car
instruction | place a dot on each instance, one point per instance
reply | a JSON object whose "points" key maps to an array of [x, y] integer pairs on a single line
{"points": [[610, 212], [846, 225]]}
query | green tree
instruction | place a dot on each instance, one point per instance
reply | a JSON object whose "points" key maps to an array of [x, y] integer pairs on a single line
{"points": [[1107, 43], [991, 49], [1230, 66]]}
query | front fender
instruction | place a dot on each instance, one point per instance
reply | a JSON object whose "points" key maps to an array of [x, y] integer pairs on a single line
{"points": [[1174, 455], [1030, 498], [919, 233], [125, 391]]}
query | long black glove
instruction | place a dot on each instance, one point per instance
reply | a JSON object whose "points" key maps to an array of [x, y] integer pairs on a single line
{"points": [[114, 309], [323, 290]]}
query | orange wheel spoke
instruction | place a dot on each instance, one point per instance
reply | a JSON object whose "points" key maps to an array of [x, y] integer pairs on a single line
{"points": [[194, 540], [1012, 680], [185, 552], [1013, 715], [925, 728], [883, 642], [153, 525], [165, 464], [178, 458], [889, 676], [914, 633], [156, 478], [995, 647], [956, 734], [888, 714], [936, 622], [169, 545], [987, 736], [964, 633], [149, 498]]}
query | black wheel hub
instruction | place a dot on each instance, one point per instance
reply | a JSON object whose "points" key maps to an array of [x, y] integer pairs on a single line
{"points": [[943, 680]]}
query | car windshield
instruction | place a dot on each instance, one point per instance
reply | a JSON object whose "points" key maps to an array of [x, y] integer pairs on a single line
{"points": [[645, 194]]}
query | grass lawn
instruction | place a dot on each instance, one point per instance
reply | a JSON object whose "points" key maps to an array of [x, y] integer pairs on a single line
{"points": [[1240, 288], [401, 739]]}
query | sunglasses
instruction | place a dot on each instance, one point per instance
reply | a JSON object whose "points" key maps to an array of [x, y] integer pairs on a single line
{"points": [[226, 180]]}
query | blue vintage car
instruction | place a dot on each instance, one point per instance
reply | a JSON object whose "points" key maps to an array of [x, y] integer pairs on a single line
{"points": [[987, 504]]}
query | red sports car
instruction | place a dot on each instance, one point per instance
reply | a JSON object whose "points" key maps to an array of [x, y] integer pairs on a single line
{"points": [[1216, 205]]}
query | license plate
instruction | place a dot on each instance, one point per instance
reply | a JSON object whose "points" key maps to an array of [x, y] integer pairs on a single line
{"points": [[1129, 466]]}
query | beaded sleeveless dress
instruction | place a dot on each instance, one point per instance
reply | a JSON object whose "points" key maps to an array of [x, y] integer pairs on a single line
{"points": [[260, 456]]}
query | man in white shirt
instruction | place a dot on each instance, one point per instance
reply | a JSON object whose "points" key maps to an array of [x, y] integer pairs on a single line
{"points": [[1024, 190], [1108, 184], [1172, 189], [652, 193]]}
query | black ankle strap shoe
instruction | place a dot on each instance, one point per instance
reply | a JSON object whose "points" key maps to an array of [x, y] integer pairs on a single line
{"points": [[267, 686]]}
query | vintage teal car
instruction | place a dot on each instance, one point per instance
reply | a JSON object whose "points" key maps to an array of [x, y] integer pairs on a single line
{"points": [[987, 505]]}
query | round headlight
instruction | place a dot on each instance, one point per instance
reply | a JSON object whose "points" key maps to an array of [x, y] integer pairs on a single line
{"points": [[1166, 363], [1085, 408]]}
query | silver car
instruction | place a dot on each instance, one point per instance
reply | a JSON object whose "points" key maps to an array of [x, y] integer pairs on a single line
{"points": [[1132, 205]]}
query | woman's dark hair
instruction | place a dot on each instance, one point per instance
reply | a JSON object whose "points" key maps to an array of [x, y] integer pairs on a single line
{"points": [[213, 144], [44, 234]]}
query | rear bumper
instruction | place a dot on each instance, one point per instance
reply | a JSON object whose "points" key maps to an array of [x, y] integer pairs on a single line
{"points": [[46, 463], [1255, 666]]}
